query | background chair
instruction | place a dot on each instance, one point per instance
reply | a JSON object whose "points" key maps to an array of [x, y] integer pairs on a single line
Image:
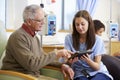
{"points": [[113, 65]]}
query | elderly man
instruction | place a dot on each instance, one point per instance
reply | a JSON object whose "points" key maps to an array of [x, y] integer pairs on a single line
{"points": [[24, 53]]}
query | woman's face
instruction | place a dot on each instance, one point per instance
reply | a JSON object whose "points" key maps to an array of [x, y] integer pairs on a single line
{"points": [[81, 25]]}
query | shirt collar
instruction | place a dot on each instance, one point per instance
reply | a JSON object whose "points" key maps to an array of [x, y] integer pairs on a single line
{"points": [[28, 30]]}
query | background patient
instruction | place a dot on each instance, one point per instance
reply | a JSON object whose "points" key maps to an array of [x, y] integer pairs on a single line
{"points": [[99, 27]]}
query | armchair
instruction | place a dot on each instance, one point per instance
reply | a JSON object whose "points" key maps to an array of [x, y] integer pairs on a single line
{"points": [[113, 65], [10, 75]]}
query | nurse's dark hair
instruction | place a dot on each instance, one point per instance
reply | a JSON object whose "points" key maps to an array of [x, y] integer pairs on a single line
{"points": [[90, 37]]}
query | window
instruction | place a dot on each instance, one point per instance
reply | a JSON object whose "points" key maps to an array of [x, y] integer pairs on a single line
{"points": [[63, 9]]}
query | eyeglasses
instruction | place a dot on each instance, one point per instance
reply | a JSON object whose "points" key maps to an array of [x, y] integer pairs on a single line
{"points": [[41, 20]]}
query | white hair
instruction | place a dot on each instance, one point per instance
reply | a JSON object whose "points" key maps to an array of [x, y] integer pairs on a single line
{"points": [[30, 12]]}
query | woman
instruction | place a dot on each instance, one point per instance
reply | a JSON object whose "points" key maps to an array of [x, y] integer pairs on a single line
{"points": [[87, 67]]}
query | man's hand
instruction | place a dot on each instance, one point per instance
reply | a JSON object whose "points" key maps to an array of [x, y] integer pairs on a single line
{"points": [[67, 71], [63, 53]]}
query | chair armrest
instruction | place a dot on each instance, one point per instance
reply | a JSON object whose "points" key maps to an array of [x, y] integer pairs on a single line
{"points": [[52, 67], [9, 75], [53, 71]]}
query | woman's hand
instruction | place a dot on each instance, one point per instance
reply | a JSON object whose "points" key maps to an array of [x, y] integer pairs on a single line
{"points": [[71, 61], [95, 63], [85, 57]]}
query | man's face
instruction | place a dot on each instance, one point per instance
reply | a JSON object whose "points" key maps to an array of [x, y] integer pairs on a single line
{"points": [[38, 22]]}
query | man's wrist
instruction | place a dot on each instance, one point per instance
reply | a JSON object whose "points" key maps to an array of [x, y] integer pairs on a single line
{"points": [[65, 65], [56, 51]]}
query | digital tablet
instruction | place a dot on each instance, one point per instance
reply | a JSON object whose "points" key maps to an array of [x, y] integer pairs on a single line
{"points": [[80, 53]]}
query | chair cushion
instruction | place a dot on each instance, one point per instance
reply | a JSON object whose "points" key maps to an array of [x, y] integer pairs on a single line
{"points": [[113, 65], [52, 73]]}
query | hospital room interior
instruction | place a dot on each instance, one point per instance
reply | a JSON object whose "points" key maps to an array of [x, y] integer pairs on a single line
{"points": [[58, 23]]}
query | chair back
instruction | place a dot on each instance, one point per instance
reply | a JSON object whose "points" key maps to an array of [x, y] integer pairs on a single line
{"points": [[3, 39], [113, 65]]}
